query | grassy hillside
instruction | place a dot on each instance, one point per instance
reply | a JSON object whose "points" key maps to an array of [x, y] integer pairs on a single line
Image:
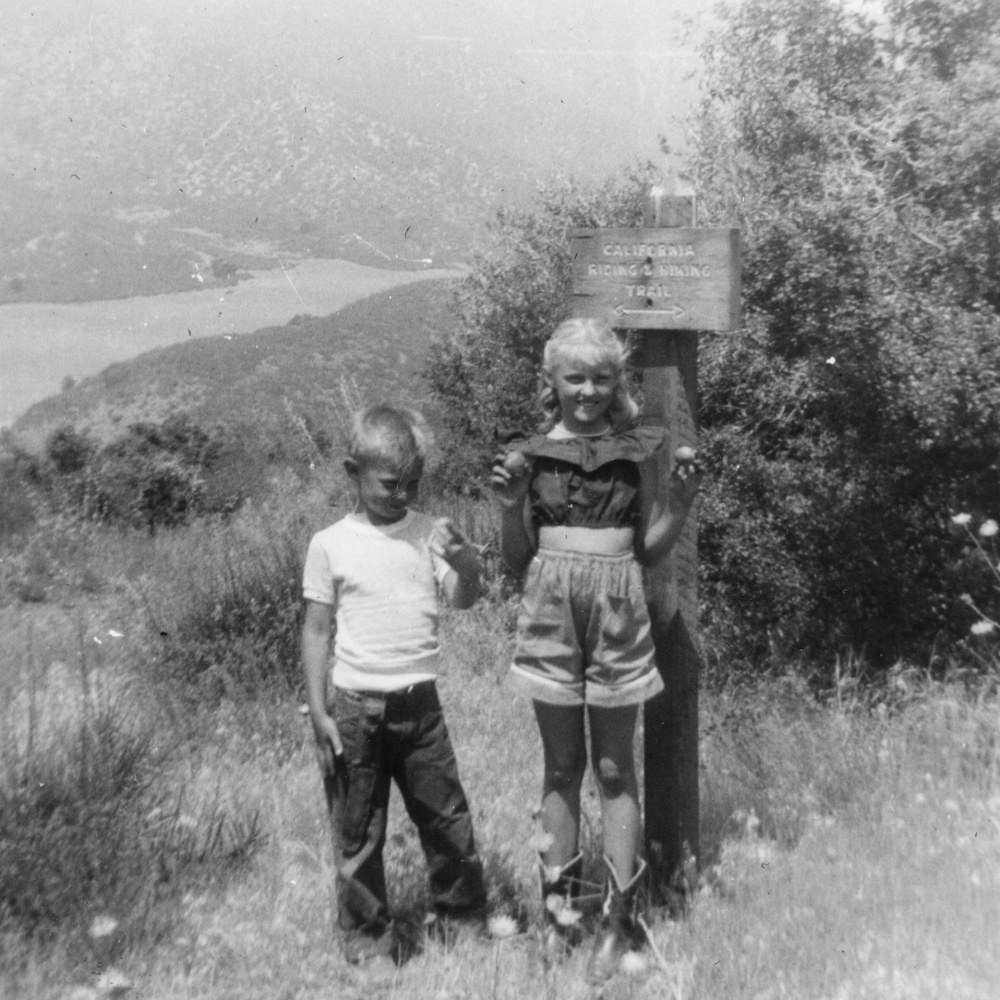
{"points": [[162, 831], [315, 367]]}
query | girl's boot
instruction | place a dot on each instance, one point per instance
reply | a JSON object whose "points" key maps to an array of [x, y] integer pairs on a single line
{"points": [[560, 891], [618, 931]]}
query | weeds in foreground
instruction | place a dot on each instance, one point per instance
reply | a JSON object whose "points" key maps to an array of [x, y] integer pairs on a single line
{"points": [[981, 643], [843, 840], [96, 848], [865, 819], [224, 609]]}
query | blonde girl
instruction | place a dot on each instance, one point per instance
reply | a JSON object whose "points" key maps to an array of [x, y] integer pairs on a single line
{"points": [[580, 511]]}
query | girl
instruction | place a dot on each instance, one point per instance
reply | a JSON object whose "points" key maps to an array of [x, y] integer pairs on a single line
{"points": [[579, 510]]}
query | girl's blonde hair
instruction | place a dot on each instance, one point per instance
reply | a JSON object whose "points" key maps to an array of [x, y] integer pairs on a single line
{"points": [[592, 342]]}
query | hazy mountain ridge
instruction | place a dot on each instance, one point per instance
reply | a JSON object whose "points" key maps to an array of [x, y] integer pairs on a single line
{"points": [[278, 130], [313, 367], [280, 166]]}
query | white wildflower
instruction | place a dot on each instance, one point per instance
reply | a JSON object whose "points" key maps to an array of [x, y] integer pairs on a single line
{"points": [[551, 874], [988, 528], [82, 993], [502, 926], [961, 519], [982, 627], [568, 917], [102, 926], [634, 963]]}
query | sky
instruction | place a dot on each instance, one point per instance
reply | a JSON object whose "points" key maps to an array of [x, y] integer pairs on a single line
{"points": [[557, 39]]}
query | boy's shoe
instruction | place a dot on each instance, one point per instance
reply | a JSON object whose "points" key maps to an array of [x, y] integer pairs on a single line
{"points": [[377, 971], [447, 926], [364, 946]]}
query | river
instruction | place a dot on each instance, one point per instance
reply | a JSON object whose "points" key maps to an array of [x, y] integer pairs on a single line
{"points": [[43, 342]]}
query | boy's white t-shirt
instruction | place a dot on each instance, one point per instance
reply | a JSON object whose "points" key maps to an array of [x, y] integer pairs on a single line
{"points": [[382, 581]]}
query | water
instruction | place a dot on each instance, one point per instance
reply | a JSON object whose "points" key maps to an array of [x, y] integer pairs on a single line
{"points": [[41, 343]]}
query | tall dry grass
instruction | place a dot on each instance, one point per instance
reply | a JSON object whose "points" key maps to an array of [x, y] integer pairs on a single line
{"points": [[851, 843]]}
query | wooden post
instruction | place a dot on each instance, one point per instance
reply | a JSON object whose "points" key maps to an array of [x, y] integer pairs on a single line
{"points": [[669, 367], [666, 281]]}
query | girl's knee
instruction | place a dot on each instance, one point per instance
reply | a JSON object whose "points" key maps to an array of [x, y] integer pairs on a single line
{"points": [[614, 777], [563, 774]]}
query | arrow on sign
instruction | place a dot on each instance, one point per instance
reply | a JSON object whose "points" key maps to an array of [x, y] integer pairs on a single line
{"points": [[674, 311]]}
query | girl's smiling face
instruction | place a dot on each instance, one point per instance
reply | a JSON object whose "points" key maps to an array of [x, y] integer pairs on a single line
{"points": [[585, 392]]}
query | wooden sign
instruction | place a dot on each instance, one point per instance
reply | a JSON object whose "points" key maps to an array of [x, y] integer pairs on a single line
{"points": [[657, 278]]}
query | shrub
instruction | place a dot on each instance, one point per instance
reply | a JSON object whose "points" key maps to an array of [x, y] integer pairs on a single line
{"points": [[981, 592], [17, 502], [68, 449], [155, 475], [225, 604], [88, 827], [856, 410]]}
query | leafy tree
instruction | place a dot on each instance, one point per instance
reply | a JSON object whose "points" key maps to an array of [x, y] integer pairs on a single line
{"points": [[136, 481], [68, 449], [857, 407], [160, 475]]}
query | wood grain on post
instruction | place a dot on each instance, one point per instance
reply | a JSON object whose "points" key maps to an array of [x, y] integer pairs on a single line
{"points": [[669, 367]]}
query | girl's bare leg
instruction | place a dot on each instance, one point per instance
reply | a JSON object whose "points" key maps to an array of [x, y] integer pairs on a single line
{"points": [[612, 731], [565, 754]]}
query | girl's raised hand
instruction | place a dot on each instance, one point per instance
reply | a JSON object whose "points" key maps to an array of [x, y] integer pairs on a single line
{"points": [[510, 477], [685, 478]]}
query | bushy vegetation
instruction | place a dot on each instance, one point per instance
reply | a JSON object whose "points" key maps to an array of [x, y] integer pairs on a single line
{"points": [[155, 475], [149, 781], [89, 828], [856, 409], [225, 606]]}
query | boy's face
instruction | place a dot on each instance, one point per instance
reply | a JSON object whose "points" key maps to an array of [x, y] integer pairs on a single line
{"points": [[384, 491]]}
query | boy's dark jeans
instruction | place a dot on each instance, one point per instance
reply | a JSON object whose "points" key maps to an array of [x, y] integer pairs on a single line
{"points": [[397, 736]]}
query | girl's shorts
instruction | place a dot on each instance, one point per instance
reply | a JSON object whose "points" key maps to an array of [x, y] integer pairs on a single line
{"points": [[583, 633]]}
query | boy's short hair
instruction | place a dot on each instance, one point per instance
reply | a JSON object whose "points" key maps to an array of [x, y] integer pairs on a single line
{"points": [[392, 434]]}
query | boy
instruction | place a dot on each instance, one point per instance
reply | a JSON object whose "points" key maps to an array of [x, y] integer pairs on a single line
{"points": [[376, 575]]}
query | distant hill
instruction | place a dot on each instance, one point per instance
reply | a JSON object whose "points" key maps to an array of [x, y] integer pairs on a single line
{"points": [[147, 147], [313, 369]]}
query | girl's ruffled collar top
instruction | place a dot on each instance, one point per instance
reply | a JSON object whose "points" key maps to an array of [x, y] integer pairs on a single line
{"points": [[636, 444]]}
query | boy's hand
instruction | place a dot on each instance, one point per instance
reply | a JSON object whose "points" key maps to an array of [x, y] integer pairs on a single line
{"points": [[453, 547], [510, 478], [328, 744]]}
